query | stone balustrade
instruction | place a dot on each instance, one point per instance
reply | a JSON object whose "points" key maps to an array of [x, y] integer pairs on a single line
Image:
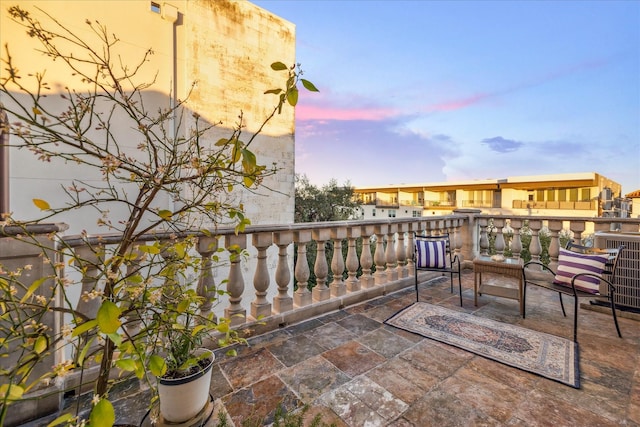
{"points": [[260, 293]]}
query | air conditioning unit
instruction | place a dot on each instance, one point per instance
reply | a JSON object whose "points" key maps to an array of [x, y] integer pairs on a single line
{"points": [[628, 272]]}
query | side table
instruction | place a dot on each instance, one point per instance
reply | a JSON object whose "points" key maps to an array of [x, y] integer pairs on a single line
{"points": [[509, 267]]}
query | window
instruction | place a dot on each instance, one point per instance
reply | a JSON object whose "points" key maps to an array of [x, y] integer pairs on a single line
{"points": [[155, 7], [551, 195], [373, 212], [585, 194], [416, 214], [392, 213], [573, 194], [562, 195]]}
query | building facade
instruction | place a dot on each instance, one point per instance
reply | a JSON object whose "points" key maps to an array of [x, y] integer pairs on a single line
{"points": [[216, 54], [577, 194]]}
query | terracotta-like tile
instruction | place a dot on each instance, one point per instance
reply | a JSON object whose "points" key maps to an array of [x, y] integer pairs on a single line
{"points": [[541, 409], [313, 377], [259, 402], [402, 380], [247, 369], [295, 349], [331, 335], [384, 342], [359, 324], [353, 358], [376, 398]]}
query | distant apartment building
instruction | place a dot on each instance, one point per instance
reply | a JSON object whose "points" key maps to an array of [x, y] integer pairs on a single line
{"points": [[586, 194]]}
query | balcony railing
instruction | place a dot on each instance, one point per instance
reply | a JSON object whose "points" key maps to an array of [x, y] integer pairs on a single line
{"points": [[578, 205], [262, 286]]}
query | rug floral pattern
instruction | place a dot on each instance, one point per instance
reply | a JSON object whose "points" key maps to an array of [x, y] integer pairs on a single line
{"points": [[547, 355]]}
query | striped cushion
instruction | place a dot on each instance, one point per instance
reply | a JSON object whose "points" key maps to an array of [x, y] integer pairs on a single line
{"points": [[571, 263], [431, 253]]}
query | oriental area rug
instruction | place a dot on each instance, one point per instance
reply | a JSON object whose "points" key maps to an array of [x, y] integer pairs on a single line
{"points": [[543, 354]]}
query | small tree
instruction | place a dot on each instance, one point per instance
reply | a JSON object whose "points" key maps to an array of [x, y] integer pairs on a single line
{"points": [[177, 163], [330, 202]]}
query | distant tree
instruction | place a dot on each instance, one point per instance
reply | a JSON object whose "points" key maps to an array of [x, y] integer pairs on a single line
{"points": [[332, 202]]}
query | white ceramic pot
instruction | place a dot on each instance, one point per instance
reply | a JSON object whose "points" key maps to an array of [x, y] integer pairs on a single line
{"points": [[183, 398]]}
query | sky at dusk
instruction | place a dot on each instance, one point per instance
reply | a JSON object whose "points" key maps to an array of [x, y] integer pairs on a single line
{"points": [[434, 91]]}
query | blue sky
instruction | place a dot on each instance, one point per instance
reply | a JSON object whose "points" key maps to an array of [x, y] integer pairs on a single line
{"points": [[432, 91]]}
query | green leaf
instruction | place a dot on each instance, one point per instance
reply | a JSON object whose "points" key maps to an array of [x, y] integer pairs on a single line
{"points": [[183, 306], [103, 414], [278, 66], [197, 329], [128, 365], [165, 214], [41, 204], [35, 285], [292, 96], [85, 349], [62, 419], [11, 392], [157, 365], [273, 91], [150, 249], [84, 327], [222, 142], [41, 344], [248, 161], [108, 317], [116, 338], [248, 181], [309, 86]]}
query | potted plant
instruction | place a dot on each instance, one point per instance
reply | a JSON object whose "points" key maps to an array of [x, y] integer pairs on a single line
{"points": [[134, 308]]}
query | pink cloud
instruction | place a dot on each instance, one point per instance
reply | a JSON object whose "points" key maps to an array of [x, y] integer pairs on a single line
{"points": [[311, 112], [459, 103]]}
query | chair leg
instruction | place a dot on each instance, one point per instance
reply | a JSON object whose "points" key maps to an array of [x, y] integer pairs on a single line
{"points": [[575, 319], [564, 313], [451, 275], [460, 287], [524, 299], [417, 295], [615, 317]]}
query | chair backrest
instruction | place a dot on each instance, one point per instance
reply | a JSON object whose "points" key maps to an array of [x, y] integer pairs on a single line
{"points": [[612, 261], [432, 251], [583, 259]]}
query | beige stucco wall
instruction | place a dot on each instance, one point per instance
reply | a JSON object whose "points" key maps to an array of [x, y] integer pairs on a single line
{"points": [[224, 48]]}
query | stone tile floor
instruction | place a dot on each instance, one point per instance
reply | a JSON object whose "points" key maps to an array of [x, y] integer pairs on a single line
{"points": [[356, 371]]}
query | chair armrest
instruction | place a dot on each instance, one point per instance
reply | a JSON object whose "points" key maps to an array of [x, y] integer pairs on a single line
{"points": [[597, 276]]}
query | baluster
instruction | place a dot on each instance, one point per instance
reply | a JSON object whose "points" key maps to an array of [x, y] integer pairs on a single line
{"points": [[235, 285], [555, 227], [366, 260], [352, 282], [338, 288], [516, 241], [206, 288], [577, 227], [283, 302], [483, 223], [321, 291], [457, 239], [390, 254], [535, 248], [380, 276], [302, 296], [413, 227], [261, 307], [401, 270], [498, 223]]}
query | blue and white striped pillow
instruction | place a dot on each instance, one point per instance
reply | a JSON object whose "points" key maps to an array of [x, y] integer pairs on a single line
{"points": [[431, 253], [571, 263]]}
